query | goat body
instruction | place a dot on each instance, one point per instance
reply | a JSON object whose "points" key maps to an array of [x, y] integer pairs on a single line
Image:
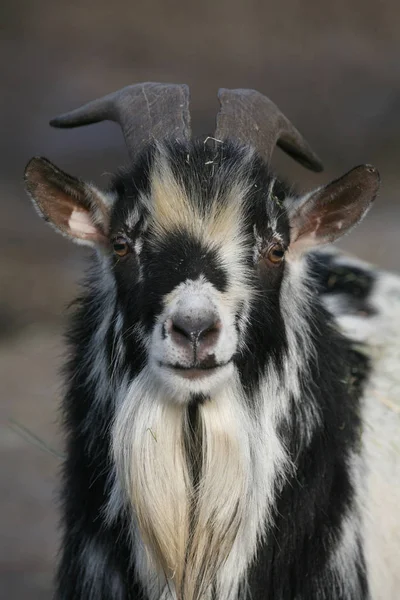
{"points": [[213, 409], [365, 302]]}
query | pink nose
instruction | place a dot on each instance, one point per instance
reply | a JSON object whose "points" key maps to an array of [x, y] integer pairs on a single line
{"points": [[198, 331]]}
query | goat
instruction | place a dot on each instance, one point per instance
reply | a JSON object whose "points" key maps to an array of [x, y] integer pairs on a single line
{"points": [[213, 410]]}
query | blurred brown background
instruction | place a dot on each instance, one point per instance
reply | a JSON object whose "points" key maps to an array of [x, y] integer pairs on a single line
{"points": [[333, 68]]}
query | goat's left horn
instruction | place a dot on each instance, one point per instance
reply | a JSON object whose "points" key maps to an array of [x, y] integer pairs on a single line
{"points": [[145, 112], [252, 119]]}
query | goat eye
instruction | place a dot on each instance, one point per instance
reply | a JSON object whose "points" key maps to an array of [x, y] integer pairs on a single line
{"points": [[275, 254], [120, 246]]}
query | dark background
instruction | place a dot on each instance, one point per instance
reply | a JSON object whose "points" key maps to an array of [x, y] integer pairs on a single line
{"points": [[333, 68]]}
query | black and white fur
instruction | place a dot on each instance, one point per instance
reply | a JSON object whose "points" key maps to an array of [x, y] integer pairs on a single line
{"points": [[246, 480], [365, 302]]}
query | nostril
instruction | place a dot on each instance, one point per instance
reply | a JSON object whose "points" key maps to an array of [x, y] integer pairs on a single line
{"points": [[178, 329], [210, 333]]}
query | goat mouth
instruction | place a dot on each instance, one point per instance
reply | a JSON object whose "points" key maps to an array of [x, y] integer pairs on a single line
{"points": [[195, 371]]}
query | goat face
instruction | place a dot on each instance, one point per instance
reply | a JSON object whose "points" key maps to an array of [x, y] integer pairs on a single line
{"points": [[199, 240], [202, 242]]}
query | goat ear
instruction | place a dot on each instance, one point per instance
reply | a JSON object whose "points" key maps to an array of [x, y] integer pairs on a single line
{"points": [[329, 212], [76, 209]]}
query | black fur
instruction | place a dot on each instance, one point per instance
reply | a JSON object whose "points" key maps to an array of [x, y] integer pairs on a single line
{"points": [[352, 284]]}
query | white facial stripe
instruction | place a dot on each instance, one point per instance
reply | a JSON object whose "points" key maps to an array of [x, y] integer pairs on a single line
{"points": [[172, 209]]}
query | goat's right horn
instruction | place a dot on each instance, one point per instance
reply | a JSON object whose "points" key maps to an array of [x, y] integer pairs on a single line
{"points": [[252, 119], [145, 112]]}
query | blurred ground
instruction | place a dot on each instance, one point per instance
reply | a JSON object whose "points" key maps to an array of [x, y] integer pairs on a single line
{"points": [[333, 69]]}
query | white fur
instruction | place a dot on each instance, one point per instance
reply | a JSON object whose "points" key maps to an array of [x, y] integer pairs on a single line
{"points": [[381, 441], [243, 461], [296, 312]]}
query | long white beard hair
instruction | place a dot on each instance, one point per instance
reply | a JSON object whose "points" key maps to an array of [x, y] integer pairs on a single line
{"points": [[200, 498]]}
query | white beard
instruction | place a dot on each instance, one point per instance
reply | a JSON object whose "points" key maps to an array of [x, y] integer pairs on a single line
{"points": [[195, 534]]}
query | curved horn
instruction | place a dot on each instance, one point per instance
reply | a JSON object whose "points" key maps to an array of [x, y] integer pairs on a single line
{"points": [[251, 118], [145, 112]]}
